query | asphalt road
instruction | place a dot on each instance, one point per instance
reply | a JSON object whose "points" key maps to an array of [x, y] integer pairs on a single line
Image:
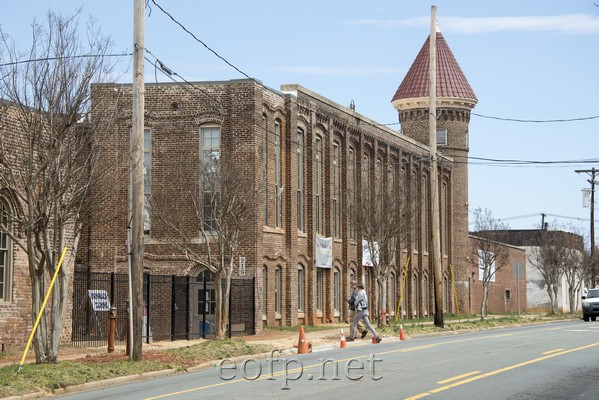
{"points": [[547, 361]]}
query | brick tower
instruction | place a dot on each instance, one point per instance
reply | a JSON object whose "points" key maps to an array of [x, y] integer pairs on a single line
{"points": [[455, 100]]}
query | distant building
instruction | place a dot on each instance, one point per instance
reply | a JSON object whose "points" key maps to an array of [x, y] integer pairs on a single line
{"points": [[507, 288], [536, 288]]}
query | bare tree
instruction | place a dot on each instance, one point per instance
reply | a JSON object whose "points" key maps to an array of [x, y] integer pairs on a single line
{"points": [[576, 267], [221, 205], [46, 162], [558, 254], [489, 252], [382, 219]]}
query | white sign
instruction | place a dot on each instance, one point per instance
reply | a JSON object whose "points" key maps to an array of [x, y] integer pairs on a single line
{"points": [[99, 300], [241, 266], [366, 257], [324, 252]]}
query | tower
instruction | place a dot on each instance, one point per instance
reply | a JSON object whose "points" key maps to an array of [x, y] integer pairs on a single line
{"points": [[455, 100]]}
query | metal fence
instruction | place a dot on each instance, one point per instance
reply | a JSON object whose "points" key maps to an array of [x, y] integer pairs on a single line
{"points": [[174, 308]]}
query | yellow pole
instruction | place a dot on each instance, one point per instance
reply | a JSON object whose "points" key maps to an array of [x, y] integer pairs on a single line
{"points": [[455, 292], [403, 285], [39, 314]]}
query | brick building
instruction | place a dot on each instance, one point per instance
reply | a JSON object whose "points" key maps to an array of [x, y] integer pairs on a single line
{"points": [[305, 154], [508, 286]]}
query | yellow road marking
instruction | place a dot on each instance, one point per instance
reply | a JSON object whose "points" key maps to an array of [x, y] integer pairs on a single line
{"points": [[552, 351], [498, 371], [455, 378], [319, 365]]}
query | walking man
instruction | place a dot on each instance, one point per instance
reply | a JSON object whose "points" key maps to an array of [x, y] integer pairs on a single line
{"points": [[352, 310], [361, 303]]}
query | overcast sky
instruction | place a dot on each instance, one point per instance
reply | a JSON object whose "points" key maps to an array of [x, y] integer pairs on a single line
{"points": [[532, 61]]}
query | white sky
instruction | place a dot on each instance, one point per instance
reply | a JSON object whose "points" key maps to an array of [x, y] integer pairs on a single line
{"points": [[529, 60]]}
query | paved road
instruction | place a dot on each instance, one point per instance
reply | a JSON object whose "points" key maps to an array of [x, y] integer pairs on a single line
{"points": [[548, 361]]}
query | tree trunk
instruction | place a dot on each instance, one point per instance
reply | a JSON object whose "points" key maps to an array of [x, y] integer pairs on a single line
{"points": [[382, 301], [483, 305], [218, 312]]}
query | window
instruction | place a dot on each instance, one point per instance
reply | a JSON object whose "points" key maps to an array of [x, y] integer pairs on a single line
{"points": [[425, 294], [278, 291], [300, 180], [147, 179], [352, 192], [278, 184], [336, 291], [365, 174], [352, 275], [336, 190], [264, 291], [508, 295], [444, 219], [210, 137], [300, 289], [318, 200], [264, 171], [319, 287], [5, 252], [206, 295], [414, 295], [424, 214]]}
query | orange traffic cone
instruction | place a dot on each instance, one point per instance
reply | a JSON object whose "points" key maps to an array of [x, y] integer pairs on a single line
{"points": [[302, 343], [402, 335], [343, 343]]}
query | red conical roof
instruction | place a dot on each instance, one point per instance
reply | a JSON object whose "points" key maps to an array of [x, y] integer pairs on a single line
{"points": [[451, 81]]}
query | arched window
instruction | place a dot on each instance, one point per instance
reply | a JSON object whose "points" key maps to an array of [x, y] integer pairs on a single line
{"points": [[336, 291], [5, 252], [264, 292], [319, 288], [278, 290], [425, 295], [278, 175], [336, 190], [210, 141], [318, 187], [301, 277], [300, 180]]}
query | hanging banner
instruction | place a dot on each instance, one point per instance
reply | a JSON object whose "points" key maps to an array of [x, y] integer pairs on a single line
{"points": [[324, 252], [366, 257]]}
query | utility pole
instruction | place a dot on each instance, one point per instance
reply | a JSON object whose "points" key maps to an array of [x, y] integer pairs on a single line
{"points": [[137, 180], [593, 173], [432, 126]]}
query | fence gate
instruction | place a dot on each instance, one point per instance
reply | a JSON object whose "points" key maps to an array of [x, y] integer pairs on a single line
{"points": [[174, 308]]}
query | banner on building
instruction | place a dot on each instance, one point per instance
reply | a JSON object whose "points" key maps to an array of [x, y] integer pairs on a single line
{"points": [[324, 252], [366, 257]]}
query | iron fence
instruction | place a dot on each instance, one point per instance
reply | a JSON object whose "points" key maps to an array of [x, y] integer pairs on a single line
{"points": [[174, 308]]}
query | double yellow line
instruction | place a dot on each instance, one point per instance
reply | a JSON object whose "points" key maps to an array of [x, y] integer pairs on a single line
{"points": [[550, 354]]}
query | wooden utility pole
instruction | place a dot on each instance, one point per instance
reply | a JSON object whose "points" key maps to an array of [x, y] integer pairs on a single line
{"points": [[432, 126], [593, 172], [137, 180]]}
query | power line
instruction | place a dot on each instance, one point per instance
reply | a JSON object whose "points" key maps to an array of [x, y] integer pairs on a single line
{"points": [[63, 58], [538, 121], [200, 41]]}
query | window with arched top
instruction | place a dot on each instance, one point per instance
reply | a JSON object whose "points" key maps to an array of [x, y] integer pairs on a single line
{"points": [[336, 291], [301, 278], [5, 252], [210, 142], [278, 290]]}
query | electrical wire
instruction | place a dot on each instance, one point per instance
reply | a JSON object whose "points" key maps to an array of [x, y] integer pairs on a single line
{"points": [[64, 58], [200, 41]]}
